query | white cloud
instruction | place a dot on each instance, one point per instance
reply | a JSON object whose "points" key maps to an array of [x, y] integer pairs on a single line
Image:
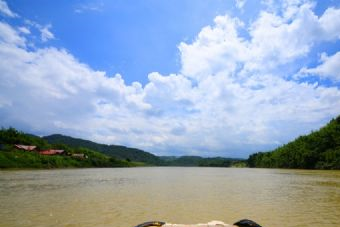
{"points": [[4, 9], [24, 30], [330, 24], [328, 69], [285, 7], [274, 40], [227, 100], [10, 36], [46, 34], [240, 3], [279, 40], [216, 48], [94, 7]]}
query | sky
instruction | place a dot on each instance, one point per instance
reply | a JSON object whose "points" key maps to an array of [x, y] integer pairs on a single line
{"points": [[183, 77]]}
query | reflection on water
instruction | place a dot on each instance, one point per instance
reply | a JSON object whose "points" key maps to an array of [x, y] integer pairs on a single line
{"points": [[125, 197]]}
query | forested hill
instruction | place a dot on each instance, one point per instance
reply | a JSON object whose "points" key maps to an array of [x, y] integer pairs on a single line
{"points": [[200, 161], [136, 155], [318, 150], [120, 152], [40, 153]]}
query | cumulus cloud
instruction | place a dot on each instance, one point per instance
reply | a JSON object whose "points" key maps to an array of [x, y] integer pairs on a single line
{"points": [[283, 39], [46, 34], [10, 36], [44, 30], [240, 3], [329, 68], [275, 40], [228, 98], [4, 9], [216, 48]]}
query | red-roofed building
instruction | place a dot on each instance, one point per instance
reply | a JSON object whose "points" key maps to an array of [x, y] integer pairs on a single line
{"points": [[52, 152], [25, 147]]}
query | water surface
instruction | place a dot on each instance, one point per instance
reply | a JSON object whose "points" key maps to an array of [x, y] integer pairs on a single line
{"points": [[124, 197]]}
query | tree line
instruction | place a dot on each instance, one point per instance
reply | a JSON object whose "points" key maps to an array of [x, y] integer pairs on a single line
{"points": [[318, 150]]}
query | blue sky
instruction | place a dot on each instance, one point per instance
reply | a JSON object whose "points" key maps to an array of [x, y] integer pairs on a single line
{"points": [[210, 78], [130, 37]]}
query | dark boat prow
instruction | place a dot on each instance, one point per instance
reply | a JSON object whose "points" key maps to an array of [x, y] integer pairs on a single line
{"points": [[246, 223], [241, 223]]}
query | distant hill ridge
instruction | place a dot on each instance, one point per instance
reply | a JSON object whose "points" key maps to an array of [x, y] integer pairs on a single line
{"points": [[97, 155], [137, 155], [318, 150], [120, 152], [201, 161]]}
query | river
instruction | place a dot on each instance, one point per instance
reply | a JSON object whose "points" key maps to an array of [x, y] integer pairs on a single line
{"points": [[124, 197]]}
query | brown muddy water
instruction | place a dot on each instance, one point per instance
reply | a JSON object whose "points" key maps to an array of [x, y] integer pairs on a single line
{"points": [[124, 197]]}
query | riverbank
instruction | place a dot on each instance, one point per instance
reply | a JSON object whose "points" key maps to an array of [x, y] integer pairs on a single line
{"points": [[30, 160]]}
